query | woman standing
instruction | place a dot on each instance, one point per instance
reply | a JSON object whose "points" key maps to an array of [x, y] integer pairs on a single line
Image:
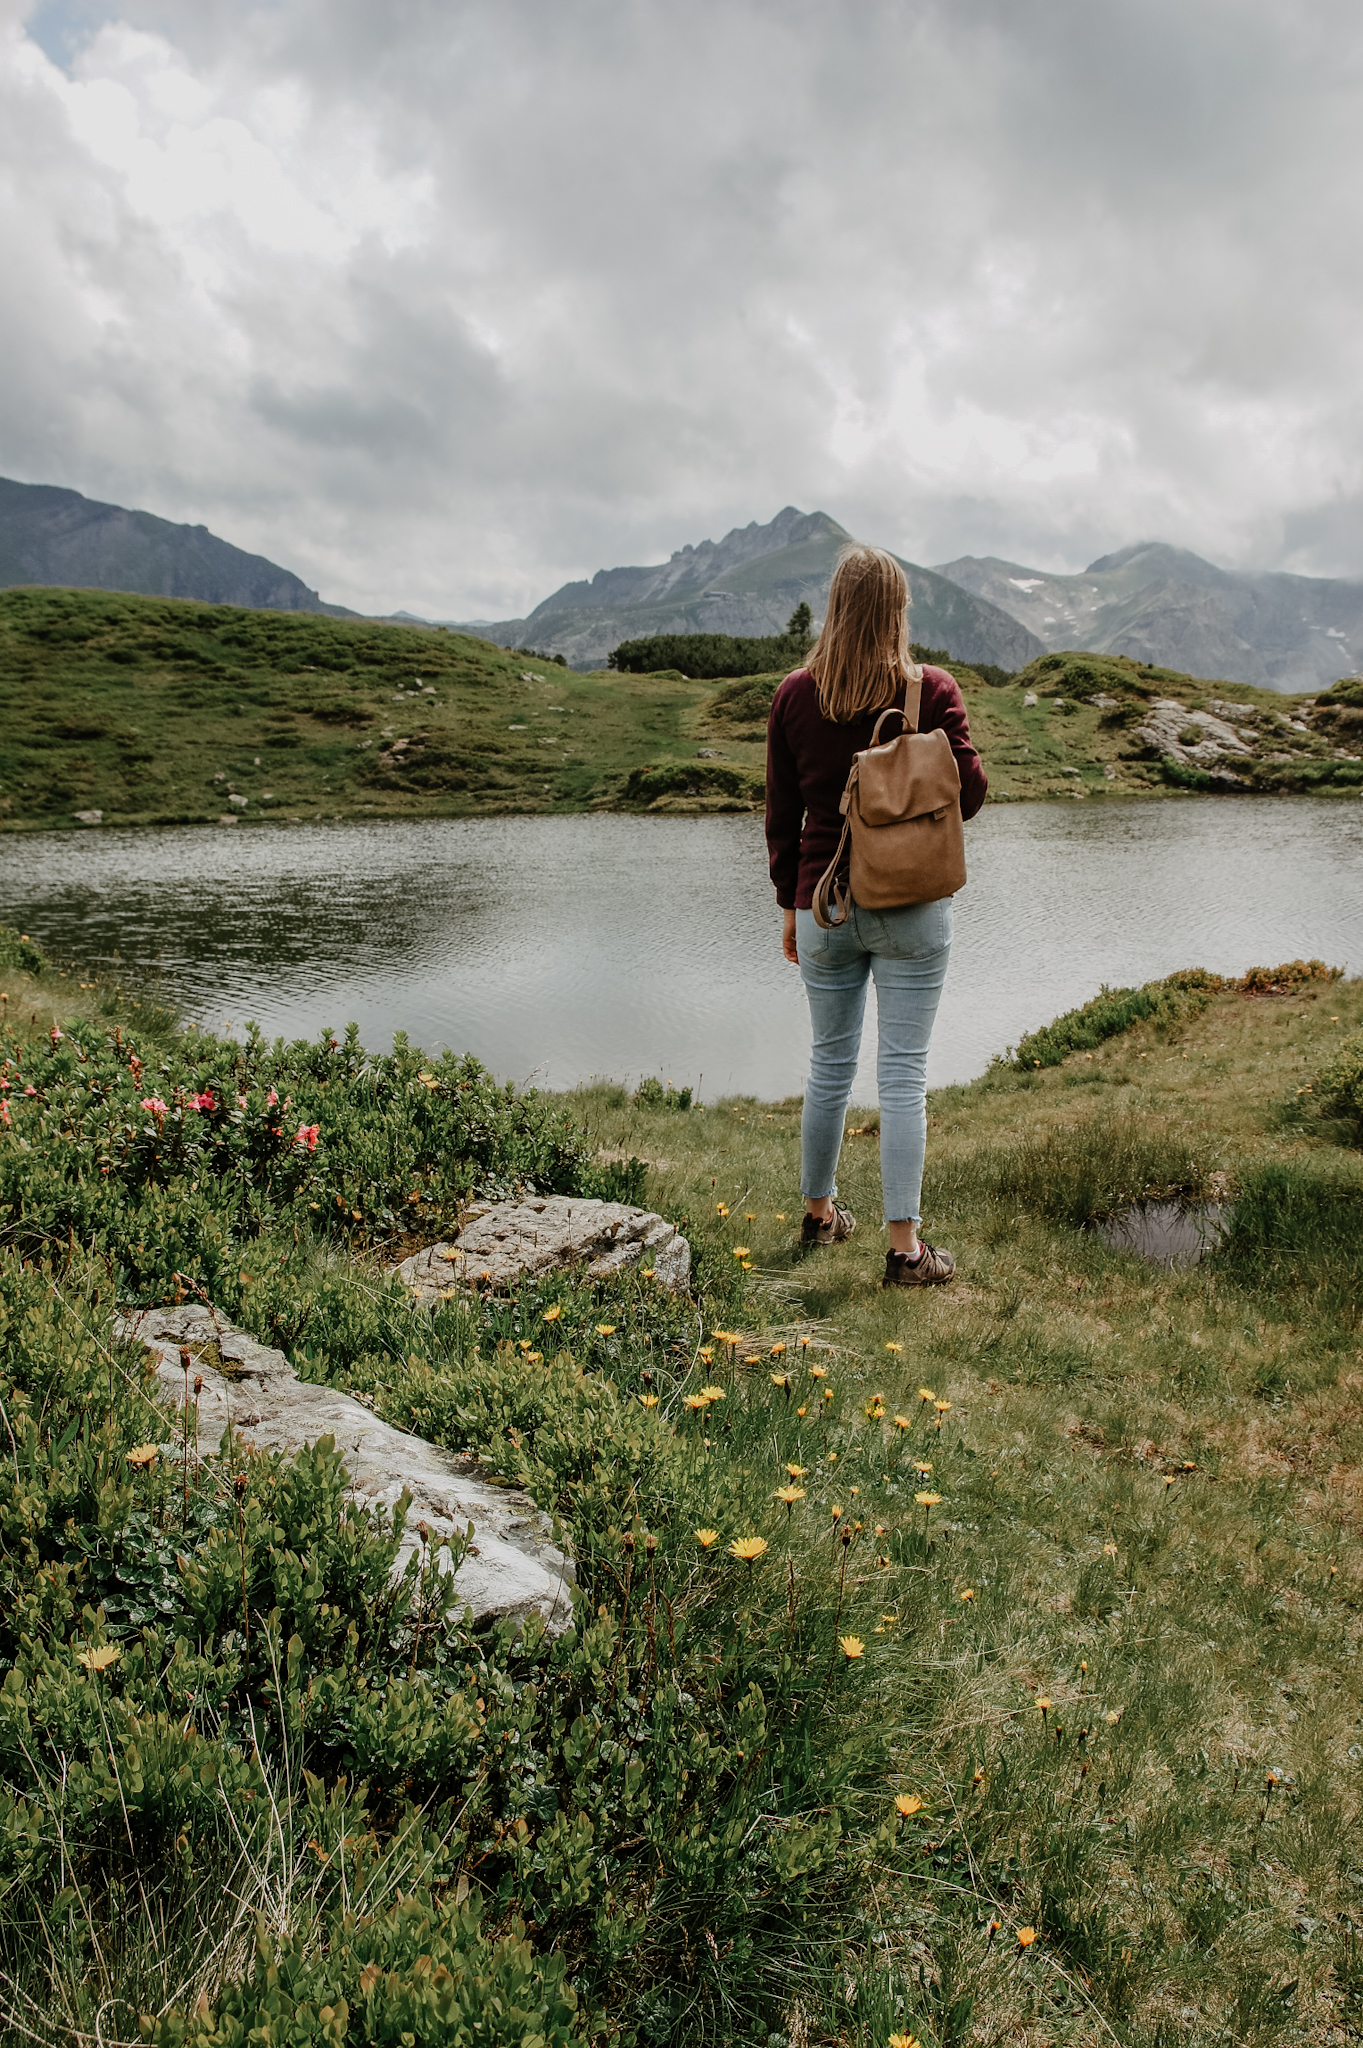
{"points": [[821, 716]]}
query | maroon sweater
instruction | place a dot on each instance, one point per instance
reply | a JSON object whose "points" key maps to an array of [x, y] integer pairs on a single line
{"points": [[808, 762]]}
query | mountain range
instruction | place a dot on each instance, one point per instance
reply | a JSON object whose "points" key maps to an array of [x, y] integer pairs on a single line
{"points": [[1154, 603], [54, 536], [1164, 605], [749, 583]]}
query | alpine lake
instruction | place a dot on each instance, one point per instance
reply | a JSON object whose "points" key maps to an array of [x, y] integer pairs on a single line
{"points": [[559, 948]]}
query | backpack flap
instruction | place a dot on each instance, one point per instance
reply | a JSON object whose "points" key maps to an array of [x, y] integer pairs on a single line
{"points": [[913, 776]]}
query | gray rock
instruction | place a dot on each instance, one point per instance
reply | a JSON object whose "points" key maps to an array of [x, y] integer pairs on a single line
{"points": [[513, 1567], [1167, 719], [542, 1232], [89, 817]]}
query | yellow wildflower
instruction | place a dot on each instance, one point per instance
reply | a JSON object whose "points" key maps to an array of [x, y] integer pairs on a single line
{"points": [[907, 1804], [551, 1315], [712, 1394], [144, 1454], [648, 1400], [707, 1538], [742, 1251], [902, 1422], [748, 1548], [928, 1500], [926, 1394], [695, 1402], [968, 1594], [788, 1495], [796, 1471], [894, 1347], [852, 1647], [816, 1372], [101, 1659], [1026, 1936]]}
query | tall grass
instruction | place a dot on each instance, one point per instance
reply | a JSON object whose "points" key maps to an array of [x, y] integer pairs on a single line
{"points": [[1081, 1174]]}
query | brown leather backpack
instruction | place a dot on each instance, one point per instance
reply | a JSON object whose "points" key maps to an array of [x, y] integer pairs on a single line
{"points": [[902, 809]]}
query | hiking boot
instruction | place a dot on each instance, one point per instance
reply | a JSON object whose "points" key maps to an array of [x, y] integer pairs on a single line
{"points": [[830, 1229], [930, 1269]]}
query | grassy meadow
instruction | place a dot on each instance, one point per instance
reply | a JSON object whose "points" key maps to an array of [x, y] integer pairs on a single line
{"points": [[973, 1666], [157, 711]]}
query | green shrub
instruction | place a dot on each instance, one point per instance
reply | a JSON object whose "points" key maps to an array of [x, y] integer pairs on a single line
{"points": [[175, 1159], [423, 1971], [651, 1094], [746, 702], [18, 950], [709, 654], [1339, 1087], [1169, 1002], [1285, 979], [686, 778]]}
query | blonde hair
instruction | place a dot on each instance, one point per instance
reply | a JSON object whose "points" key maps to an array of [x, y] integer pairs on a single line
{"points": [[862, 653]]}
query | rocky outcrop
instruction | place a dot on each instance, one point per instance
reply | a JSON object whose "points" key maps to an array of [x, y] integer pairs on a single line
{"points": [[542, 1232], [1169, 728], [512, 1567]]}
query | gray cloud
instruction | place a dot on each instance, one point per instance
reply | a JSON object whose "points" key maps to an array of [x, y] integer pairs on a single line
{"points": [[441, 304]]}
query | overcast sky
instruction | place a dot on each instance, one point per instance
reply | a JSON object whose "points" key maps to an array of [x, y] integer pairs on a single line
{"points": [[440, 302]]}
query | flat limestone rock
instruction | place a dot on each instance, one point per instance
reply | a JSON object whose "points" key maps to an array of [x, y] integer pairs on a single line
{"points": [[542, 1232], [512, 1568]]}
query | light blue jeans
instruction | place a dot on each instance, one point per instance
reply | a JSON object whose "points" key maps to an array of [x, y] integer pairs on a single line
{"points": [[906, 951]]}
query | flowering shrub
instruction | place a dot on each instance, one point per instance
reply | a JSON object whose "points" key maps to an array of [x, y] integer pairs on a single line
{"points": [[175, 1159]]}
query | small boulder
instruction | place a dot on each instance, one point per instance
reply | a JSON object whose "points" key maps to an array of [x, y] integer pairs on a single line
{"points": [[511, 1568], [542, 1232]]}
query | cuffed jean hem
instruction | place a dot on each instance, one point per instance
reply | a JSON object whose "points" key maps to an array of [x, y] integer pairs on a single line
{"points": [[905, 952]]}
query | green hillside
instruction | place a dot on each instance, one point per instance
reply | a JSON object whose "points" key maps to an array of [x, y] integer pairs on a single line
{"points": [[152, 711], [157, 711]]}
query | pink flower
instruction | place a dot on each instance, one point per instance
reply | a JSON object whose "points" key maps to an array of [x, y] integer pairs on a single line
{"points": [[155, 1105], [308, 1135], [271, 1099], [207, 1101], [57, 1034], [241, 1102], [4, 1113], [30, 1090]]}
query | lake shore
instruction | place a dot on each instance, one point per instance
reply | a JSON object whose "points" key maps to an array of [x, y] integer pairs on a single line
{"points": [[991, 1651]]}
